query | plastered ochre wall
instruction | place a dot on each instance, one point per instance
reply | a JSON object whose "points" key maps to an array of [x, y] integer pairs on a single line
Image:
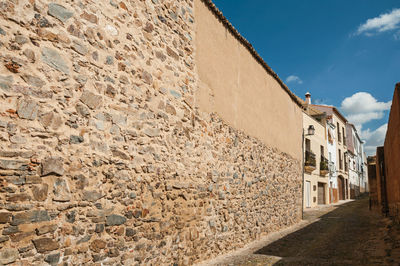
{"points": [[392, 155], [238, 88]]}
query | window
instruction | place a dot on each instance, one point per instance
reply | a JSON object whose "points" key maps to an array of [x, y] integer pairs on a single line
{"points": [[322, 151], [308, 145], [344, 137], [340, 160], [338, 132]]}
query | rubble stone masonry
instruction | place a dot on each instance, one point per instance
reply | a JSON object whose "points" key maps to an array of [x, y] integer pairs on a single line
{"points": [[105, 156]]}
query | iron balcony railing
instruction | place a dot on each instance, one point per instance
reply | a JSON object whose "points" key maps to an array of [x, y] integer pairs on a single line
{"points": [[310, 159], [324, 164]]}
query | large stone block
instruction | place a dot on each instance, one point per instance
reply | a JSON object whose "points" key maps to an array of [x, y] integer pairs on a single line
{"points": [[61, 190], [27, 109], [8, 255], [59, 12], [45, 244], [92, 100], [115, 219], [51, 120], [27, 217], [40, 192], [6, 82], [53, 166], [54, 60], [97, 245], [91, 196], [13, 164], [33, 80], [5, 217]]}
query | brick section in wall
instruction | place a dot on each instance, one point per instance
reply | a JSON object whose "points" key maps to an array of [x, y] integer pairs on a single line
{"points": [[104, 157]]}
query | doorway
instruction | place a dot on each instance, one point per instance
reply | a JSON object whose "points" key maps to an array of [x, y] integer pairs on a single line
{"points": [[308, 194], [341, 188], [321, 194]]}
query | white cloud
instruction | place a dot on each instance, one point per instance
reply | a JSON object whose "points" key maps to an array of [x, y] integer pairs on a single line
{"points": [[374, 138], [384, 22], [361, 108], [293, 79], [359, 119]]}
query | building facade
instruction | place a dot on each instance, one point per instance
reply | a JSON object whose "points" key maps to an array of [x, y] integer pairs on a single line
{"points": [[356, 161], [387, 189], [332, 158], [316, 166], [365, 178], [341, 150]]}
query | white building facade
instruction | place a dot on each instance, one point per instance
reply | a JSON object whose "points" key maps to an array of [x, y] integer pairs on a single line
{"points": [[357, 172], [331, 149]]}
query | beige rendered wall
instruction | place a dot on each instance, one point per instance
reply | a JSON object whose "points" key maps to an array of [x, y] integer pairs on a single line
{"points": [[317, 140], [234, 85]]}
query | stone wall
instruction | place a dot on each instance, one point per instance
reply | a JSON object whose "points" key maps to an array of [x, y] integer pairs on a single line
{"points": [[104, 156]]}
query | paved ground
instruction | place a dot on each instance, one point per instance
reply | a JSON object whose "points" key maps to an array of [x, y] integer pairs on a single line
{"points": [[348, 234]]}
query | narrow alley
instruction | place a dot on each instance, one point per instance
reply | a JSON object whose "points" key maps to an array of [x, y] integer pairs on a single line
{"points": [[347, 234]]}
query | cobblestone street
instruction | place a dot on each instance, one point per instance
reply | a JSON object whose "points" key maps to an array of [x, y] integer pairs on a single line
{"points": [[347, 234]]}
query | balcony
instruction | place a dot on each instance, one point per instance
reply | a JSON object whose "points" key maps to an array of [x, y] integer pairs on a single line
{"points": [[310, 162], [323, 166]]}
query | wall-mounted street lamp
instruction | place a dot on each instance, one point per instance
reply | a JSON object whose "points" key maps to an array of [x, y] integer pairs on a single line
{"points": [[310, 132]]}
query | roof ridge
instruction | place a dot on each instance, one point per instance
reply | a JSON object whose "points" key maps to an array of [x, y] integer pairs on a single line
{"points": [[249, 47]]}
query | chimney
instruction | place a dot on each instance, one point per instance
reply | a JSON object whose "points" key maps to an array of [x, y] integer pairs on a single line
{"points": [[308, 98]]}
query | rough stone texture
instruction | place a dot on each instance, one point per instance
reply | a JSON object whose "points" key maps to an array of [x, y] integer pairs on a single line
{"points": [[52, 58], [92, 100], [52, 165], [5, 217], [33, 80], [52, 259], [104, 156], [8, 255], [34, 216], [27, 109], [5, 82], [115, 220], [39, 192], [59, 12], [45, 244]]}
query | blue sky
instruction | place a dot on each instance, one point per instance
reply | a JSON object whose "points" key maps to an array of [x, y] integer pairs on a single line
{"points": [[333, 49]]}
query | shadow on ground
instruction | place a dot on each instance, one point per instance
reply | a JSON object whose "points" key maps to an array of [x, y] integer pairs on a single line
{"points": [[348, 235]]}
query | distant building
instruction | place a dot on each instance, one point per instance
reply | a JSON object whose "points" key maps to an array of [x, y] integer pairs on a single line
{"points": [[356, 161]]}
